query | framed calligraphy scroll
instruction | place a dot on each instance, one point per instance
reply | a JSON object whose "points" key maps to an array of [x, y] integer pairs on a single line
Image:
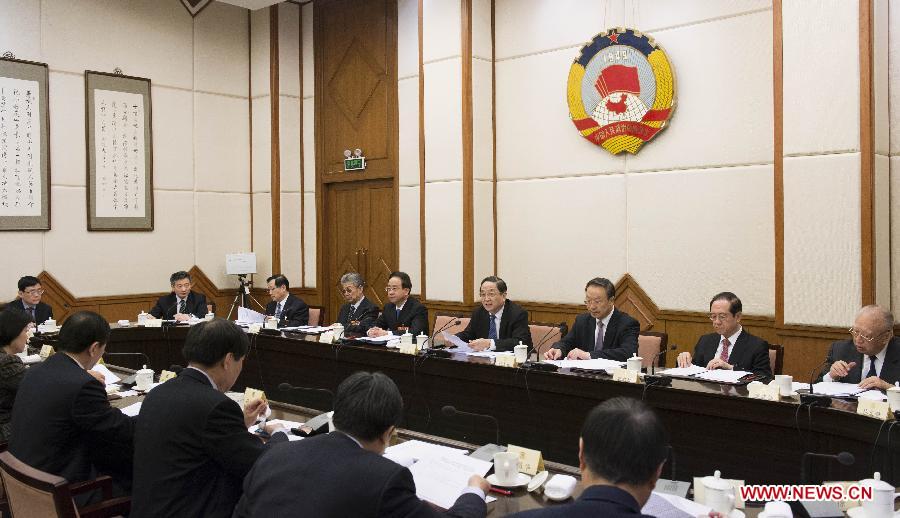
{"points": [[119, 152], [24, 145]]}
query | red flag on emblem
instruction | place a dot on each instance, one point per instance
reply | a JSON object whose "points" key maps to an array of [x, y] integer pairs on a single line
{"points": [[618, 78]]}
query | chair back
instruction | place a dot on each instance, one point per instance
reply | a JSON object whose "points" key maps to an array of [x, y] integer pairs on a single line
{"points": [[315, 315], [33, 493], [543, 336], [776, 358], [651, 343], [442, 320]]}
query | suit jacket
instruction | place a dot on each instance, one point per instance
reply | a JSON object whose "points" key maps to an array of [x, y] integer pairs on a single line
{"points": [[620, 338], [845, 350], [513, 327], [332, 476], [606, 501], [62, 423], [192, 450], [365, 314], [41, 312], [413, 316], [294, 313], [750, 353], [167, 306]]}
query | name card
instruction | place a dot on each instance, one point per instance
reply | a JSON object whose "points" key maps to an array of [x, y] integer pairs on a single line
{"points": [[165, 376], [153, 322], [409, 348], [530, 461], [327, 337], [757, 390], [877, 409], [252, 394], [46, 352], [505, 360], [626, 376]]}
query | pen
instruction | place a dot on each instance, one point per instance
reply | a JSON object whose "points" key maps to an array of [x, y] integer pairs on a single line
{"points": [[500, 491]]}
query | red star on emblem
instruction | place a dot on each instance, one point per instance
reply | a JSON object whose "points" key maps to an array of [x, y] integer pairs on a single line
{"points": [[613, 38]]}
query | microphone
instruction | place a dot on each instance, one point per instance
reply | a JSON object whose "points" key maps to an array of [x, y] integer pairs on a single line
{"points": [[544, 339], [813, 399], [845, 458], [142, 355], [657, 355], [451, 411], [454, 322]]}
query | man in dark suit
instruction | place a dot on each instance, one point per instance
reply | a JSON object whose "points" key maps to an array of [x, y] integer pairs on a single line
{"points": [[358, 314], [62, 422], [192, 447], [343, 473], [730, 347], [874, 350], [29, 301], [182, 303], [602, 332], [402, 313], [498, 324], [622, 449], [289, 310]]}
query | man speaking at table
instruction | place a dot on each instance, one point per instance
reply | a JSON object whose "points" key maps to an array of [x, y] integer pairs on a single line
{"points": [[402, 313], [182, 303], [498, 324], [287, 309], [874, 350]]}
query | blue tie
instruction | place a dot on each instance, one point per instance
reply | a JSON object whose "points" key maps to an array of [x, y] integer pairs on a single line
{"points": [[398, 314], [492, 330]]}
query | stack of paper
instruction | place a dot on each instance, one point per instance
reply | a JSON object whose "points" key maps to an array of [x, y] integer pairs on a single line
{"points": [[248, 316], [722, 375], [690, 370], [594, 364], [107, 374], [415, 451], [378, 339], [835, 388], [664, 505], [451, 339], [441, 479]]}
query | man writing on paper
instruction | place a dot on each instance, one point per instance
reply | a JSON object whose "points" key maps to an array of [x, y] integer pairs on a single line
{"points": [[402, 313], [192, 447], [730, 347], [498, 324], [358, 314], [182, 303], [343, 473], [29, 301], [621, 452], [874, 350], [287, 309], [602, 332]]}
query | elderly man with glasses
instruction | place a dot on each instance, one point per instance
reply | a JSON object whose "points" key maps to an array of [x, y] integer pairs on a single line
{"points": [[29, 301], [358, 314], [872, 357]]}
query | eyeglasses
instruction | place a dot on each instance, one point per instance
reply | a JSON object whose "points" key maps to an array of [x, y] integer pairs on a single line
{"points": [[489, 294], [349, 289], [594, 302], [868, 339], [718, 316], [34, 292], [391, 289], [182, 286], [270, 290]]}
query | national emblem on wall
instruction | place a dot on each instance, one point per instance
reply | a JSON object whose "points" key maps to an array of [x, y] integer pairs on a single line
{"points": [[621, 90]]}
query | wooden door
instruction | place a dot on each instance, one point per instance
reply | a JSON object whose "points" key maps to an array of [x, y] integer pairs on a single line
{"points": [[356, 107]]}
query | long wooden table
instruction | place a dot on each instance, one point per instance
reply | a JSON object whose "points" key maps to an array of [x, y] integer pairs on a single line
{"points": [[711, 426]]}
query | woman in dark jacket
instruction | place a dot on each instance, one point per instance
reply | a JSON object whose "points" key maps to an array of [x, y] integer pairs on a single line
{"points": [[13, 339]]}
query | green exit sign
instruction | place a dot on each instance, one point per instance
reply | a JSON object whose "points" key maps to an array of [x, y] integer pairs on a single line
{"points": [[355, 163]]}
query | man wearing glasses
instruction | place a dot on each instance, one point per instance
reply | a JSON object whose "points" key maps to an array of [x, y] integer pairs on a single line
{"points": [[358, 314], [602, 332], [498, 324], [287, 309], [402, 313], [872, 357], [730, 347], [29, 300]]}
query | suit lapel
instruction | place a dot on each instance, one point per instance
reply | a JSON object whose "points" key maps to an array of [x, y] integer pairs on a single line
{"points": [[889, 371]]}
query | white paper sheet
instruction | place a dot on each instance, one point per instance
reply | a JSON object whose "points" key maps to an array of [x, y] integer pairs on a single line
{"points": [[418, 450], [287, 424], [451, 339], [28, 359], [440, 480], [248, 316], [107, 374], [378, 339], [690, 370], [308, 329], [594, 363], [132, 409], [722, 375], [490, 354], [662, 505], [835, 388]]}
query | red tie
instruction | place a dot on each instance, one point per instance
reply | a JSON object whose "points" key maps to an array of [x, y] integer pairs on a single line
{"points": [[725, 345]]}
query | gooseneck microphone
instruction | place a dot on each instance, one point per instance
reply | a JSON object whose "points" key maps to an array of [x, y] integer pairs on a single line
{"points": [[657, 355], [451, 411], [454, 322], [846, 458], [143, 356], [813, 399], [544, 339]]}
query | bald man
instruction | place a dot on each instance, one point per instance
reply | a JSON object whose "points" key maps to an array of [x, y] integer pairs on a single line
{"points": [[871, 358]]}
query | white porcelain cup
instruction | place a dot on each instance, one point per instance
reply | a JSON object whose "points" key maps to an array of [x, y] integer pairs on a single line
{"points": [[881, 505], [634, 363], [784, 383], [209, 316], [893, 395], [521, 353], [719, 494], [506, 467], [422, 341], [143, 378], [271, 323], [338, 331], [406, 338], [50, 323], [142, 318]]}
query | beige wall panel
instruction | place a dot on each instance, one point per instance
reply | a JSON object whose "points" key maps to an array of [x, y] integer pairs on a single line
{"points": [[289, 49], [289, 138], [895, 232], [309, 145], [308, 56], [882, 230], [656, 14], [222, 156], [692, 234], [291, 222], [443, 120], [407, 38], [220, 50], [535, 137], [441, 30], [28, 259], [309, 252], [881, 76], [443, 251], [482, 120], [101, 35], [118, 262], [894, 78], [410, 249], [259, 52], [555, 234], [721, 116], [408, 107], [20, 30], [483, 216], [481, 29], [67, 147], [262, 144], [223, 227], [262, 236], [173, 138], [821, 101], [821, 239]]}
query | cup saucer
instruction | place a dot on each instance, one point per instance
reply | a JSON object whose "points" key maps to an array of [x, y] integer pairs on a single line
{"points": [[859, 512], [521, 480], [736, 513]]}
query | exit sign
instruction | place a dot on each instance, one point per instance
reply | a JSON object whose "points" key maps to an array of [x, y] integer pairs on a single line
{"points": [[355, 163]]}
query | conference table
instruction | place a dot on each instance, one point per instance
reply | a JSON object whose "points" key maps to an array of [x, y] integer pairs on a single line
{"points": [[711, 426]]}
